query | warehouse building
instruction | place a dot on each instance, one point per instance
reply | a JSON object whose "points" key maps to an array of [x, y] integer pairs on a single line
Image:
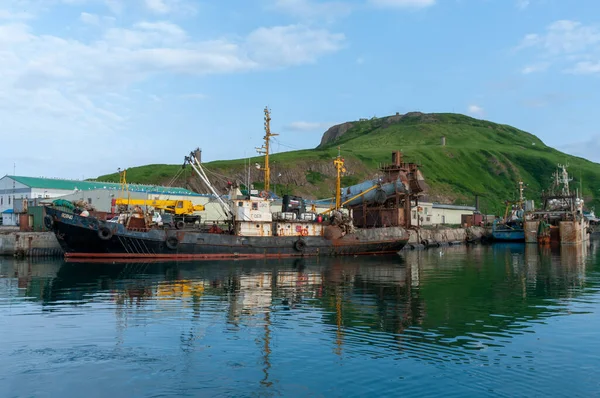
{"points": [[19, 192]]}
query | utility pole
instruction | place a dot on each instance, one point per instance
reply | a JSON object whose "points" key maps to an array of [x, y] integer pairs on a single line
{"points": [[265, 149]]}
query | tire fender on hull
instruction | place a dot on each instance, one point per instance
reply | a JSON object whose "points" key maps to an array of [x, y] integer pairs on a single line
{"points": [[172, 242], [104, 233], [300, 245], [49, 221]]}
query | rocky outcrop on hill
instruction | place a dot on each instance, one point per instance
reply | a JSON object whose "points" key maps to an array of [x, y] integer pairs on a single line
{"points": [[335, 132]]}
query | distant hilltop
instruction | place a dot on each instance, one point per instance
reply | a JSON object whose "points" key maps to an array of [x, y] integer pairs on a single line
{"points": [[335, 132], [460, 157]]}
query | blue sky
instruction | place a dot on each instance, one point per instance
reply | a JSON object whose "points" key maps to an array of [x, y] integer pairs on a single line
{"points": [[92, 85]]}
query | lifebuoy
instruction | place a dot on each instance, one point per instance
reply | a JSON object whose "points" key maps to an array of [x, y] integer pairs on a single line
{"points": [[299, 245], [104, 233], [179, 224], [48, 221], [305, 232], [172, 242]]}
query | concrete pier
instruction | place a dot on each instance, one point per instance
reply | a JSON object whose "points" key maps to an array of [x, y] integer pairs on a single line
{"points": [[29, 244], [424, 238]]}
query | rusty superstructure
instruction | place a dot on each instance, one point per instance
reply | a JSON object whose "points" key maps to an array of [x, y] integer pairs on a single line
{"points": [[399, 188]]}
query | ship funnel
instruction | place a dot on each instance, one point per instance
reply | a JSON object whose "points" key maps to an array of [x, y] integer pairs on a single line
{"points": [[397, 158]]}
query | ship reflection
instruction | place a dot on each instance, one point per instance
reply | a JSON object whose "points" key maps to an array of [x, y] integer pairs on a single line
{"points": [[459, 300]]}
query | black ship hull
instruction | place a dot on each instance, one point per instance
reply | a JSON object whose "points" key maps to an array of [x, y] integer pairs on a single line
{"points": [[88, 237]]}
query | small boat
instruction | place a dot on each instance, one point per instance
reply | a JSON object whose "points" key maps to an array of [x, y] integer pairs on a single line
{"points": [[511, 228]]}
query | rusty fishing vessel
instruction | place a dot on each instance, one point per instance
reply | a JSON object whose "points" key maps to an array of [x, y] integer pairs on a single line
{"points": [[251, 231], [561, 219]]}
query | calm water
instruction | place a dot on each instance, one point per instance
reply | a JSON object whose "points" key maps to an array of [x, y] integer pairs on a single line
{"points": [[502, 321]]}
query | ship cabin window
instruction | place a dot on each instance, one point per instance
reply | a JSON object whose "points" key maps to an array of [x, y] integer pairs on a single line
{"points": [[180, 205], [254, 206], [425, 210], [414, 215], [240, 204], [90, 200], [257, 226]]}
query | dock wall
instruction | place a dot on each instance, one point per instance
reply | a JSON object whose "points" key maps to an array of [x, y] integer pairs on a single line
{"points": [[29, 244], [423, 238]]}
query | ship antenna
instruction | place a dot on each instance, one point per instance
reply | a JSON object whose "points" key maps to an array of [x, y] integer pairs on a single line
{"points": [[265, 149], [338, 162]]}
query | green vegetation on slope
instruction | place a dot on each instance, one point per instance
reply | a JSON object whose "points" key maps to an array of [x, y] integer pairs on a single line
{"points": [[479, 157]]}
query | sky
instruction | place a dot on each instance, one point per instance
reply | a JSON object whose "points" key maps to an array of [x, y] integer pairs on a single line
{"points": [[88, 86]]}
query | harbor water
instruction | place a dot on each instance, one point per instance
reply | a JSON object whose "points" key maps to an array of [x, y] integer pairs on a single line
{"points": [[501, 320]]}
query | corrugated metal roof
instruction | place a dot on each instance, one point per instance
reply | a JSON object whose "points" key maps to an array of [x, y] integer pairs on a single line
{"points": [[71, 185], [452, 207]]}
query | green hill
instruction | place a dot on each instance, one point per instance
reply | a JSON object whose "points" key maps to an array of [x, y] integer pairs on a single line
{"points": [[479, 157]]}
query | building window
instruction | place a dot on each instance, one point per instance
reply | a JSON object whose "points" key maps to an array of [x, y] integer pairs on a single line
{"points": [[9, 200], [1, 200]]}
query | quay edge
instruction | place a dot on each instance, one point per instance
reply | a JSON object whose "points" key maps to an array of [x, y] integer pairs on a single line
{"points": [[29, 244]]}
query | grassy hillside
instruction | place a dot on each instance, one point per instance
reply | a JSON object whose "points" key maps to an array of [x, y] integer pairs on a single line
{"points": [[479, 157]]}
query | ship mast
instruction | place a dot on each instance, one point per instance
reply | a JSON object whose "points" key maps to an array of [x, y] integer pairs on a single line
{"points": [[124, 187], [521, 198], [338, 162], [265, 149]]}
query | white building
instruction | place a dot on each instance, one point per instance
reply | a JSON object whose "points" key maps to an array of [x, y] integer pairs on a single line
{"points": [[439, 214]]}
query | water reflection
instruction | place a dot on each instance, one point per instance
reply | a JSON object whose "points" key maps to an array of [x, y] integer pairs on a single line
{"points": [[460, 306]]}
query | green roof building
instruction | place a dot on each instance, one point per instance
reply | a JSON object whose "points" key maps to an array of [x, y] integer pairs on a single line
{"points": [[18, 188]]}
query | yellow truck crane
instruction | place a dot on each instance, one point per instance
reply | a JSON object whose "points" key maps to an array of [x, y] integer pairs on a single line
{"points": [[182, 211]]}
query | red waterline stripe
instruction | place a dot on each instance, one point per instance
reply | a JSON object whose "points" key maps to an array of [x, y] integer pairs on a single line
{"points": [[125, 257]]}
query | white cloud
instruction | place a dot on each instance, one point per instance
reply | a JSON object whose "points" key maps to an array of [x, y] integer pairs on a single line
{"points": [[308, 126], [157, 6], [475, 110], [91, 19], [569, 43], [585, 68], [314, 9], [56, 90], [290, 45], [540, 67], [163, 7], [96, 20], [402, 3]]}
